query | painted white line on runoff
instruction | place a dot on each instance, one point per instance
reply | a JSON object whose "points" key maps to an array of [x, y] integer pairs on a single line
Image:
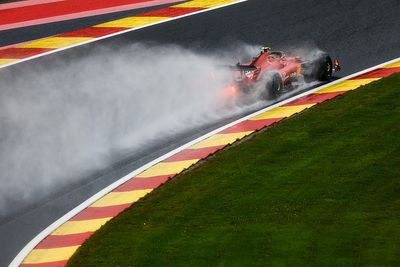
{"points": [[31, 245], [117, 33], [26, 3]]}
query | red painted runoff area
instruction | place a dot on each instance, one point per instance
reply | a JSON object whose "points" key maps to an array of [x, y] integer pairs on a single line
{"points": [[25, 3]]}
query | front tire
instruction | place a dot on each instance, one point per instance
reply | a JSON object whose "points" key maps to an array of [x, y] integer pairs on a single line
{"points": [[318, 70], [325, 69]]}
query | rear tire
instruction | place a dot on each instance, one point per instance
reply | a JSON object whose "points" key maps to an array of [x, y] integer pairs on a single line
{"points": [[273, 87]]}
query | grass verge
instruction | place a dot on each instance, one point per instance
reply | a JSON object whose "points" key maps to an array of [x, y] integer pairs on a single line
{"points": [[320, 188]]}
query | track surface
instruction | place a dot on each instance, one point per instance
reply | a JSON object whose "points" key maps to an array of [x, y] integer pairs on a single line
{"points": [[362, 34]]}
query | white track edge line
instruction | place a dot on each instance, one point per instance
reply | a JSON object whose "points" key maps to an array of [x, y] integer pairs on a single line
{"points": [[31, 245], [115, 34]]}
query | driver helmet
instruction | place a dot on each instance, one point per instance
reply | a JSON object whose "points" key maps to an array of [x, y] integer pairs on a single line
{"points": [[265, 49]]}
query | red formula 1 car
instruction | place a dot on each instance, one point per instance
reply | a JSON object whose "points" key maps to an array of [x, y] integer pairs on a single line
{"points": [[272, 72]]}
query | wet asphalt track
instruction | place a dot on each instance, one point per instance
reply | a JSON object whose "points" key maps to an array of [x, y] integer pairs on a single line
{"points": [[361, 33]]}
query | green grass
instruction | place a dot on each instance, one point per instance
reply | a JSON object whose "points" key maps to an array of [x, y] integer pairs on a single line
{"points": [[319, 189]]}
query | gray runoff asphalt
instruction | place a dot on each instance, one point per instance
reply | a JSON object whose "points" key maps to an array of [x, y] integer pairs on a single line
{"points": [[361, 33]]}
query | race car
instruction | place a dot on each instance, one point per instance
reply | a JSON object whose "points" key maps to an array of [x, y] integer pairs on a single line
{"points": [[273, 72]]}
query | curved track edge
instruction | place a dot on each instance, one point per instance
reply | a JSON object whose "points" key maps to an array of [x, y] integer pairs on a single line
{"points": [[57, 243]]}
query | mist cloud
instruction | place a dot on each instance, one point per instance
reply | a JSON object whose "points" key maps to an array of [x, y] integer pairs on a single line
{"points": [[60, 124]]}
